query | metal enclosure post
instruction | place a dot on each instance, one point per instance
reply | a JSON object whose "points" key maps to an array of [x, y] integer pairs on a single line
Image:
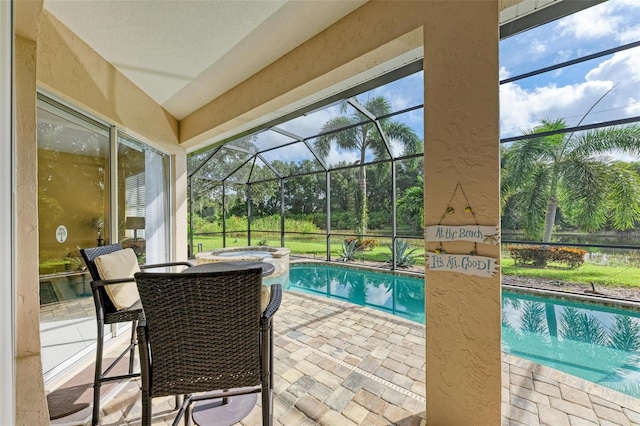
{"points": [[394, 222], [224, 215], [191, 253], [248, 214], [328, 208], [281, 212]]}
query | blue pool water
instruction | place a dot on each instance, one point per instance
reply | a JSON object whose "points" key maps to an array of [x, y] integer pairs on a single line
{"points": [[596, 343]]}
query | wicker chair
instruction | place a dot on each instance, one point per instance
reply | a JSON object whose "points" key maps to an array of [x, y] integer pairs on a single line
{"points": [[106, 313], [206, 332]]}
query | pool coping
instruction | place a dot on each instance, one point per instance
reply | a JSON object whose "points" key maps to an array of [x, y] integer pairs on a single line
{"points": [[565, 295]]}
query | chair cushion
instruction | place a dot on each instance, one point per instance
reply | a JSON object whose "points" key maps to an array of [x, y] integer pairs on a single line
{"points": [[265, 297], [119, 264]]}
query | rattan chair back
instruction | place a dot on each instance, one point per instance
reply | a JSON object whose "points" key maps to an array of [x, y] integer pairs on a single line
{"points": [[203, 330]]}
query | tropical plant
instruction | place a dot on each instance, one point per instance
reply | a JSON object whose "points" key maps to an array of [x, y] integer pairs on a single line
{"points": [[405, 255], [349, 135], [574, 171], [263, 242], [411, 205], [349, 250]]}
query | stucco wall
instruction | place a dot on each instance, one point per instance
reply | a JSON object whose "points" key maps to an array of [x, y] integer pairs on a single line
{"points": [[462, 147], [31, 408]]}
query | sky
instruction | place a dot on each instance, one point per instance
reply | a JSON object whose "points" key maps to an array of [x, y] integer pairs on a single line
{"points": [[570, 92], [567, 93]]}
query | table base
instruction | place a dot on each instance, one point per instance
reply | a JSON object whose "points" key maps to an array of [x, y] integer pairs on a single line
{"points": [[223, 411]]}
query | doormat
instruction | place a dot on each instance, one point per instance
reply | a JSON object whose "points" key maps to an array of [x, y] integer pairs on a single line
{"points": [[47, 294], [76, 394]]}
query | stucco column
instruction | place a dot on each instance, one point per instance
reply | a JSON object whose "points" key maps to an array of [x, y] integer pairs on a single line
{"points": [[462, 146], [31, 407]]}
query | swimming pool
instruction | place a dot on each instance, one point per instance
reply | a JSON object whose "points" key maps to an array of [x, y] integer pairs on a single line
{"points": [[594, 342]]}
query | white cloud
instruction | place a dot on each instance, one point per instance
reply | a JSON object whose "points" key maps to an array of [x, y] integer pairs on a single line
{"points": [[336, 156], [621, 67], [522, 108], [537, 48], [609, 19], [504, 73]]}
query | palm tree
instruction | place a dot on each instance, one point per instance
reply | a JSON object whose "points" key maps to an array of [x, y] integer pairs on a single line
{"points": [[577, 172], [361, 138]]}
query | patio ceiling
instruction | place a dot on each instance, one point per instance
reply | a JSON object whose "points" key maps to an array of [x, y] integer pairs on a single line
{"points": [[183, 54]]}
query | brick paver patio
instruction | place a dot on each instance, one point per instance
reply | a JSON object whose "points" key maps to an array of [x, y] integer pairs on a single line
{"points": [[338, 364]]}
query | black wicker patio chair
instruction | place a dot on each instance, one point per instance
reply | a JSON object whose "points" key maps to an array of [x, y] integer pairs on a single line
{"points": [[107, 313], [205, 335]]}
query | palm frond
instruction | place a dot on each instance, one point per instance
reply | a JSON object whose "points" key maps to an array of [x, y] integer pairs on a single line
{"points": [[378, 106], [610, 140], [584, 183], [532, 202], [582, 327], [624, 196], [342, 138]]}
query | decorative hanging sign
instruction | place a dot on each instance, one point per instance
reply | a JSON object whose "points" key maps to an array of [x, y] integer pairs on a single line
{"points": [[475, 233], [469, 264], [479, 266]]}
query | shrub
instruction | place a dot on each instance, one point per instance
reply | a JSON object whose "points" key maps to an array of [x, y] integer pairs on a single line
{"points": [[539, 256], [363, 244]]}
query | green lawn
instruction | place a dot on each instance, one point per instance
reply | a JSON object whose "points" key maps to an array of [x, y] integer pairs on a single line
{"points": [[309, 245], [614, 276], [312, 245]]}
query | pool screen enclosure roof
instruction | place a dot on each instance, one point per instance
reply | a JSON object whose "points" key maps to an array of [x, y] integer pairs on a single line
{"points": [[298, 137]]}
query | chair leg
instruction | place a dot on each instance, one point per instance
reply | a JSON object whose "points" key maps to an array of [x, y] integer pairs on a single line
{"points": [[267, 379], [188, 415], [97, 381], [146, 409], [132, 351]]}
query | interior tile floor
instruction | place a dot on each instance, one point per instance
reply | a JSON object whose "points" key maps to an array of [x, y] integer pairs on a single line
{"points": [[338, 364]]}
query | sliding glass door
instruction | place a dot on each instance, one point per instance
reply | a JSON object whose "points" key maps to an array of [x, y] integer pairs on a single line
{"points": [[96, 186], [73, 212], [143, 188]]}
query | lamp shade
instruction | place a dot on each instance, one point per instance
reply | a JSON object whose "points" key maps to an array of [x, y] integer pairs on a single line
{"points": [[134, 222]]}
